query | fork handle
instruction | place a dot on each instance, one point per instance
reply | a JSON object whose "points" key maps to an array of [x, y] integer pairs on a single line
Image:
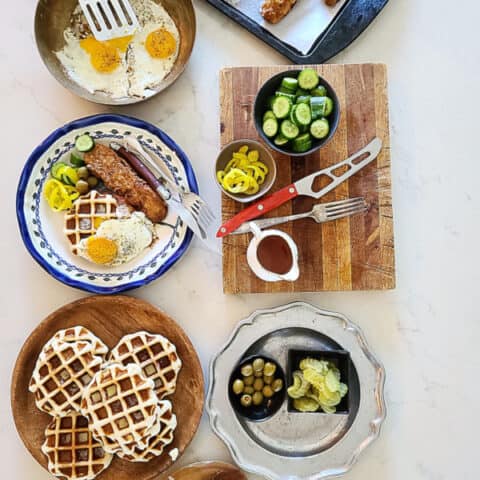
{"points": [[270, 222], [144, 173]]}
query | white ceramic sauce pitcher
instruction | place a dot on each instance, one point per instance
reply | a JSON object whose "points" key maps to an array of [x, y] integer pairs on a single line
{"points": [[254, 263]]}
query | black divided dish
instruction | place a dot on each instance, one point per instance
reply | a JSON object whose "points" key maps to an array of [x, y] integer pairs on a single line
{"points": [[340, 358], [268, 89], [263, 411]]}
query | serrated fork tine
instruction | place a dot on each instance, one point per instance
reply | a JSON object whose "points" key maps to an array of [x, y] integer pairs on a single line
{"points": [[331, 207]]}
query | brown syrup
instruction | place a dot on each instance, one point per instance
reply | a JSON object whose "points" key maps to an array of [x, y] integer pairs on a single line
{"points": [[274, 255]]}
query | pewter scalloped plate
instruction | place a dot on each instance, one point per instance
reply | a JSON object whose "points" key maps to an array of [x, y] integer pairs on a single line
{"points": [[294, 445], [42, 229]]}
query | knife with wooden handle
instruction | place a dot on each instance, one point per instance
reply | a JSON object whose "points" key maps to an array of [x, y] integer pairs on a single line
{"points": [[354, 163]]}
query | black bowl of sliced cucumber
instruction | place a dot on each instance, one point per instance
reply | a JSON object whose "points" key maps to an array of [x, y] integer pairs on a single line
{"points": [[296, 112]]}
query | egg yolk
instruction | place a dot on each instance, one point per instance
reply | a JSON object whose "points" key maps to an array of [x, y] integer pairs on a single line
{"points": [[104, 56], [101, 250], [161, 44]]}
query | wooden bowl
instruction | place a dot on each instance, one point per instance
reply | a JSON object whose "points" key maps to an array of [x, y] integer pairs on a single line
{"points": [[110, 318], [207, 471], [53, 16]]}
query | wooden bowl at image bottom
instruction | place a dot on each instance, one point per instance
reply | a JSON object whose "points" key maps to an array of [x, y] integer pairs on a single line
{"points": [[207, 471], [110, 318]]}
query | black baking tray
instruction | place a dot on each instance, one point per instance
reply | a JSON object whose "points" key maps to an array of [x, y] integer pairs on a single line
{"points": [[353, 18]]}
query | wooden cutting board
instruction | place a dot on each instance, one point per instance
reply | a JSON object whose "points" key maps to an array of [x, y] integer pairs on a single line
{"points": [[355, 253]]}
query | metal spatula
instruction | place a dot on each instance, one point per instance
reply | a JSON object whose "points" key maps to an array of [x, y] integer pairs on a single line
{"points": [[109, 19]]}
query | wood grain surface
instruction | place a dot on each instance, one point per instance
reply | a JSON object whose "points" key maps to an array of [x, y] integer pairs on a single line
{"points": [[110, 318], [207, 471], [355, 253]]}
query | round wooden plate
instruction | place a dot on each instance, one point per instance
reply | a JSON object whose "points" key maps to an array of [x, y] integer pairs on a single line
{"points": [[208, 471], [110, 318]]}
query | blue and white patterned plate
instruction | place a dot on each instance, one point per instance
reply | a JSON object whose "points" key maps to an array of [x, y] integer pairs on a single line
{"points": [[42, 229]]}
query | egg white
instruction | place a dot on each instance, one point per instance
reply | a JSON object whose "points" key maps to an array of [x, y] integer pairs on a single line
{"points": [[131, 235], [77, 64], [146, 71]]}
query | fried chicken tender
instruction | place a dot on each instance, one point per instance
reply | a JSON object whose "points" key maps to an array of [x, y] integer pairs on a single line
{"points": [[274, 10], [119, 177]]}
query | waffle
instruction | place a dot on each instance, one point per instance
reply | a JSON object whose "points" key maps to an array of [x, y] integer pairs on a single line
{"points": [[61, 373], [88, 211], [122, 408], [72, 451], [79, 333], [156, 443], [156, 356]]}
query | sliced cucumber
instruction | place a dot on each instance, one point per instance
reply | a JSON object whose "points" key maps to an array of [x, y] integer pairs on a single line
{"points": [[289, 130], [281, 106], [318, 105], [292, 114], [308, 79], [304, 99], [302, 143], [290, 96], [76, 160], [328, 106], [290, 84], [270, 101], [268, 114], [320, 128], [280, 140], [320, 91], [270, 127], [301, 92], [302, 114], [57, 170], [84, 143]]}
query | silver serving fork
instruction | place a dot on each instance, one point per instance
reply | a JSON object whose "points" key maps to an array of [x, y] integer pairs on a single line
{"points": [[109, 19], [193, 210], [321, 213]]}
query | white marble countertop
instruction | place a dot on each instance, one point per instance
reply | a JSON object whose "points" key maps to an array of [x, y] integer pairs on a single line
{"points": [[425, 332]]}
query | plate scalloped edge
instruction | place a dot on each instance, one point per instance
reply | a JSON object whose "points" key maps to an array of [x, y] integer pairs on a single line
{"points": [[375, 423]]}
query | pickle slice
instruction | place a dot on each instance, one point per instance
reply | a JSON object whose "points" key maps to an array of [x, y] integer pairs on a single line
{"points": [[305, 404]]}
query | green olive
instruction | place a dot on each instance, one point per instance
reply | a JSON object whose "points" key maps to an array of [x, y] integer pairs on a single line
{"points": [[83, 173], [92, 181], [238, 386], [267, 391], [258, 374], [269, 369], [248, 390], [246, 400], [258, 384], [257, 398], [258, 364], [247, 370], [268, 380], [248, 380], [277, 385], [82, 187]]}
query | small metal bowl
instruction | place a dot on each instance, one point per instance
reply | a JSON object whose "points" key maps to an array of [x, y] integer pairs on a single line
{"points": [[261, 106], [265, 156], [257, 413], [52, 17]]}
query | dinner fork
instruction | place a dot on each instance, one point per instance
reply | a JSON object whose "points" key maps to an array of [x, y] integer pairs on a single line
{"points": [[189, 206], [321, 213]]}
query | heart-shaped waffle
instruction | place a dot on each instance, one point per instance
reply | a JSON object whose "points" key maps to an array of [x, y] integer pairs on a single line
{"points": [[122, 408], [156, 444], [72, 451], [61, 373], [156, 356]]}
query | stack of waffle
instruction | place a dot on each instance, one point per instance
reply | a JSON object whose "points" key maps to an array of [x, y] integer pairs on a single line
{"points": [[104, 406]]}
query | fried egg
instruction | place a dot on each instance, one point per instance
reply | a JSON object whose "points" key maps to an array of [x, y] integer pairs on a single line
{"points": [[128, 66], [118, 241]]}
